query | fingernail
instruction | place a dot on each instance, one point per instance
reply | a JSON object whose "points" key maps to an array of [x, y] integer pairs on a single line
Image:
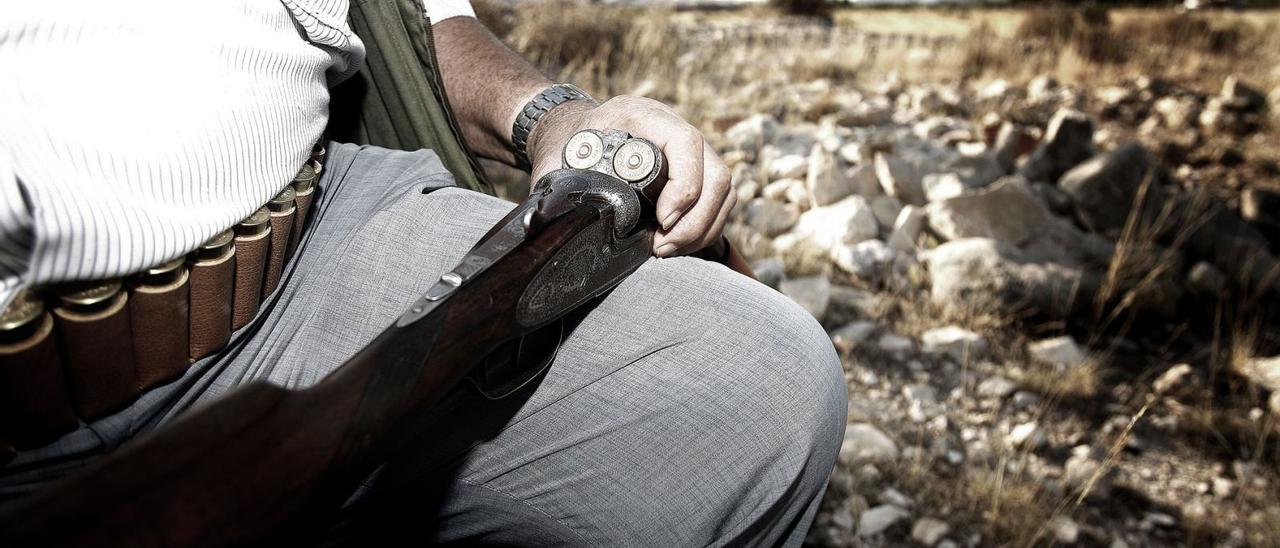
{"points": [[666, 250], [670, 220]]}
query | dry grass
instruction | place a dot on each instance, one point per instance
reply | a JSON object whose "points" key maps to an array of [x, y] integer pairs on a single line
{"points": [[665, 54], [497, 16], [1223, 428], [1077, 384], [1009, 508], [1171, 31], [1085, 30], [1197, 51], [1145, 266], [609, 51]]}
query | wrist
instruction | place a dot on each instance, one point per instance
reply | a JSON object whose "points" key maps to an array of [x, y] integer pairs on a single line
{"points": [[529, 119], [554, 128]]}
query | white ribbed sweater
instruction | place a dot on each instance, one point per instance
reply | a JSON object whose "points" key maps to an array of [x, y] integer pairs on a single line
{"points": [[131, 132]]}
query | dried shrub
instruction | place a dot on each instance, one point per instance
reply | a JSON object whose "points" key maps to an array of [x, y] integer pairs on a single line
{"points": [[1060, 24], [1102, 45], [1085, 29], [1010, 508], [498, 16], [563, 34], [1080, 383], [984, 53], [1188, 31], [812, 8], [606, 49], [1053, 24]]}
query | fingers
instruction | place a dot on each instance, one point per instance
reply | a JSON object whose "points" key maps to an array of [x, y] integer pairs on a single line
{"points": [[702, 222], [726, 207], [685, 166], [717, 228], [682, 145]]}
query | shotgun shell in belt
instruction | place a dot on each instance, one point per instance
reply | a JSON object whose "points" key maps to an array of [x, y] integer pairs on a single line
{"points": [[304, 189], [316, 162], [159, 313], [21, 313], [253, 243], [213, 271], [35, 404], [282, 210], [97, 346], [282, 201], [216, 247], [163, 273], [89, 296], [305, 180], [254, 224]]}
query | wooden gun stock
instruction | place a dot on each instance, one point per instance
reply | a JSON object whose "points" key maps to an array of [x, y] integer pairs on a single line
{"points": [[247, 466]]}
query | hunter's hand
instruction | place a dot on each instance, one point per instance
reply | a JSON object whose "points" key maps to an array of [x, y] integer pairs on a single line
{"points": [[694, 205]]}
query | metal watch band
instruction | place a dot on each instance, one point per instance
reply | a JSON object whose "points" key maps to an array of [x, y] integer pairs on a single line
{"points": [[541, 104]]}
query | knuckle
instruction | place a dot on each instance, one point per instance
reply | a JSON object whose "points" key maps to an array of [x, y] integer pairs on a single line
{"points": [[682, 236], [659, 106], [692, 135], [680, 187], [634, 117], [718, 174], [689, 228], [643, 102], [688, 194], [619, 100]]}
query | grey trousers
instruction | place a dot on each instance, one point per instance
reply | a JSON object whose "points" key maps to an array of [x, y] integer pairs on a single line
{"points": [[690, 406]]}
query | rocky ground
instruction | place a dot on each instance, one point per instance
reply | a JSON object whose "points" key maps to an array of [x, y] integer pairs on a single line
{"points": [[1033, 309], [1054, 300]]}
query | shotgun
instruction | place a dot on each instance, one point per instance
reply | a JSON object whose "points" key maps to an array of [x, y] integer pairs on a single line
{"points": [[247, 466]]}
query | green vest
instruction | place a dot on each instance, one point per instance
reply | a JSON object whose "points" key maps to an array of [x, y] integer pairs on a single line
{"points": [[397, 100]]}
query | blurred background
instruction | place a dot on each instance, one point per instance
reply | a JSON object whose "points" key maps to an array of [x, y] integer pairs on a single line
{"points": [[1043, 237]]}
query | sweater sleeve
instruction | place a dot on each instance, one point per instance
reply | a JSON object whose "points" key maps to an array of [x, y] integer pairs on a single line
{"points": [[15, 231], [439, 10]]}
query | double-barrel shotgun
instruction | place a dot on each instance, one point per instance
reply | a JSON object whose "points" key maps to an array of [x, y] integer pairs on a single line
{"points": [[264, 458]]}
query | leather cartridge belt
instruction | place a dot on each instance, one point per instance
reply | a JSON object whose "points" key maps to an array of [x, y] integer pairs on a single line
{"points": [[80, 351]]}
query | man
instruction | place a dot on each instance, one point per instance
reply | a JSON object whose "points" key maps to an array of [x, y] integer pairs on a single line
{"points": [[691, 406]]}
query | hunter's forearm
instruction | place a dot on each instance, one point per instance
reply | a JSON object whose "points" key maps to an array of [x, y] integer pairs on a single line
{"points": [[487, 84]]}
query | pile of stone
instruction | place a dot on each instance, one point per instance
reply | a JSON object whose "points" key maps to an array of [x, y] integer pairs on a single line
{"points": [[896, 190], [972, 416], [1061, 200]]}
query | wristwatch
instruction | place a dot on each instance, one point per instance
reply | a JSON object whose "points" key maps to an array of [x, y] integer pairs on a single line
{"points": [[542, 103]]}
